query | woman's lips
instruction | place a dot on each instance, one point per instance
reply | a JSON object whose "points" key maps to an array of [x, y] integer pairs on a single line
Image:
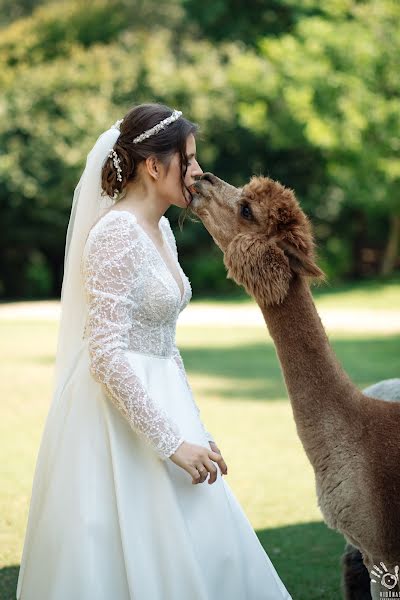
{"points": [[188, 200], [192, 191]]}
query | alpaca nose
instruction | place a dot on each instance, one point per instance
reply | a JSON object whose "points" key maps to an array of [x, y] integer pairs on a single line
{"points": [[209, 177]]}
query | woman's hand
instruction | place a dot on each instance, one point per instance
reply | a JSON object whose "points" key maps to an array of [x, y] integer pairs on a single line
{"points": [[215, 448], [198, 461]]}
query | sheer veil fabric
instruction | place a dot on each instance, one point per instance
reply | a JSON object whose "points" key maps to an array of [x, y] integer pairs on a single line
{"points": [[87, 206]]}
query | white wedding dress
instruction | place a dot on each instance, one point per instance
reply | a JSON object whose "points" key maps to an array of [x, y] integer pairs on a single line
{"points": [[111, 517]]}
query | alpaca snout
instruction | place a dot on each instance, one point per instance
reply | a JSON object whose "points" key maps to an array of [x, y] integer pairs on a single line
{"points": [[210, 177], [200, 190], [203, 182]]}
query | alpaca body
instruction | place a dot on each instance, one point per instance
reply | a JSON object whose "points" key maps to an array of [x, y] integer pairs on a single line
{"points": [[351, 439], [356, 584]]}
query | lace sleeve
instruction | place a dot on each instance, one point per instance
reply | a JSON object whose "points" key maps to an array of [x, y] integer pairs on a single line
{"points": [[176, 354], [109, 270]]}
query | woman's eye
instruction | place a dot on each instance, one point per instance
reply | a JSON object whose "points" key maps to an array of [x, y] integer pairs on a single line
{"points": [[245, 211]]}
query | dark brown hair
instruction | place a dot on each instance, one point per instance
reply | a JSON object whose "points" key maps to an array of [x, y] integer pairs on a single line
{"points": [[162, 145]]}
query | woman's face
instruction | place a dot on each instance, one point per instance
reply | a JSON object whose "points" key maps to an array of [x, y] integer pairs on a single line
{"points": [[170, 184]]}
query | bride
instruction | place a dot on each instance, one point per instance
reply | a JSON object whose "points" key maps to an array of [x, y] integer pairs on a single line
{"points": [[118, 510]]}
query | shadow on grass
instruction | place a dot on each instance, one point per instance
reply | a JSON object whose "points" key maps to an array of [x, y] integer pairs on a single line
{"points": [[366, 360], [8, 582], [307, 558], [251, 370]]}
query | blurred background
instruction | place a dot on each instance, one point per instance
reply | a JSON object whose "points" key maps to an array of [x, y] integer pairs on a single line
{"points": [[304, 91]]}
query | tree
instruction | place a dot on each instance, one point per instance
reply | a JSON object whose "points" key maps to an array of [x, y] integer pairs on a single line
{"points": [[337, 92], [316, 107]]}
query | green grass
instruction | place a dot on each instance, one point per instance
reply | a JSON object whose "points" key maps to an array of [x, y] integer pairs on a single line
{"points": [[369, 294], [238, 386]]}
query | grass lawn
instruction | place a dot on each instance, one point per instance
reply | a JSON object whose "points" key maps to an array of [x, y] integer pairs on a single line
{"points": [[368, 294], [239, 388]]}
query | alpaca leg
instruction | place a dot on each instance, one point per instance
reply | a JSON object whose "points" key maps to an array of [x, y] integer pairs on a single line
{"points": [[355, 576]]}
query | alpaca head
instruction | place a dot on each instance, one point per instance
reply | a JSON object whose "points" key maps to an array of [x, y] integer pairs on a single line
{"points": [[264, 235]]}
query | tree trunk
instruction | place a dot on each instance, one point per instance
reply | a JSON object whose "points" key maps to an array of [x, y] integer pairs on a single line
{"points": [[358, 232], [392, 247]]}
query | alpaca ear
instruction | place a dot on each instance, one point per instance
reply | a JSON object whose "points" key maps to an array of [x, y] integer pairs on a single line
{"points": [[259, 266], [300, 262]]}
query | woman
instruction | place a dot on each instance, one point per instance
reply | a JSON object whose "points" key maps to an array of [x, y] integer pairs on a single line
{"points": [[114, 513]]}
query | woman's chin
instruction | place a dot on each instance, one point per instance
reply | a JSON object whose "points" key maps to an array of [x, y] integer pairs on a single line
{"points": [[182, 203], [188, 198]]}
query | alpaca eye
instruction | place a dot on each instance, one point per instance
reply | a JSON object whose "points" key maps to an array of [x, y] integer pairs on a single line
{"points": [[245, 211]]}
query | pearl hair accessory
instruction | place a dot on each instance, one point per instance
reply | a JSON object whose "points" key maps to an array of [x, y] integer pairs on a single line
{"points": [[117, 162], [161, 125]]}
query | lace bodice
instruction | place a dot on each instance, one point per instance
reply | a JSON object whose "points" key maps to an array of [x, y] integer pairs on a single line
{"points": [[133, 304]]}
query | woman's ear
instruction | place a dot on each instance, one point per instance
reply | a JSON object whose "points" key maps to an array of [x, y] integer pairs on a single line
{"points": [[260, 266], [153, 167]]}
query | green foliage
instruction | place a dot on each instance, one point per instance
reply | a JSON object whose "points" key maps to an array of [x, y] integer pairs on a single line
{"points": [[37, 277], [10, 12], [309, 96], [338, 82]]}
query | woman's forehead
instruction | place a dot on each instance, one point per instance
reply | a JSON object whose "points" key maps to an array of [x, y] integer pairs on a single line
{"points": [[190, 145]]}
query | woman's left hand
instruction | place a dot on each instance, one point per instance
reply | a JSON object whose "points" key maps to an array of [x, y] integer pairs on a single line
{"points": [[214, 448]]}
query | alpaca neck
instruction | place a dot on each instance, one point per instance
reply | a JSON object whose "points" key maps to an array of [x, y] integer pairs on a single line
{"points": [[320, 391]]}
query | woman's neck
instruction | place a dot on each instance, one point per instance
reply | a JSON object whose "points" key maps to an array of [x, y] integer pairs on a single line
{"points": [[145, 205]]}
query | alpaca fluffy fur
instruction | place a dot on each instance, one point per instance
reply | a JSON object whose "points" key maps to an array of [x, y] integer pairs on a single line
{"points": [[351, 440]]}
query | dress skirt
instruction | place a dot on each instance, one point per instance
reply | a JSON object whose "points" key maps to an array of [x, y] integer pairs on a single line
{"points": [[110, 520]]}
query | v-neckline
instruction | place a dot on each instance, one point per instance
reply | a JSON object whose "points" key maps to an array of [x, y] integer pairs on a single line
{"points": [[181, 294]]}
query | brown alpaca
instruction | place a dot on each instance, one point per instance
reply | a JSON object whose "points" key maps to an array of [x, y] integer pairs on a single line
{"points": [[351, 440]]}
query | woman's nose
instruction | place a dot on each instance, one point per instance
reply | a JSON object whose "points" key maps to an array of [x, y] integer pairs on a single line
{"points": [[197, 171]]}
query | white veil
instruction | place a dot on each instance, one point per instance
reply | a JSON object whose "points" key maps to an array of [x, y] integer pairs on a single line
{"points": [[87, 206]]}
